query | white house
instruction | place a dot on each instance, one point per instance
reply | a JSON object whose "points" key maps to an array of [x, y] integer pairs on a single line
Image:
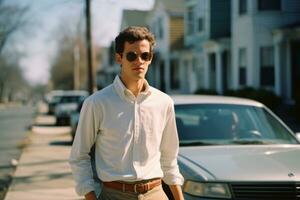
{"points": [[207, 36], [265, 45], [244, 43], [223, 44]]}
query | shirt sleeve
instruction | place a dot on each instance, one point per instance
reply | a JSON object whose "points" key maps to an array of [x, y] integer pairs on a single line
{"points": [[85, 137], [169, 150]]}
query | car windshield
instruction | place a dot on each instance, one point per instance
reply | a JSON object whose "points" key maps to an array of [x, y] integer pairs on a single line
{"points": [[70, 99], [55, 99], [219, 124]]}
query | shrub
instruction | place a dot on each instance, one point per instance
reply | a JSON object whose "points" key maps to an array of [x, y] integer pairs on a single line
{"points": [[296, 109], [269, 98], [206, 91]]}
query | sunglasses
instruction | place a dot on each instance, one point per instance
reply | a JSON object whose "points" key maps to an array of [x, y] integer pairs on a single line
{"points": [[132, 56]]}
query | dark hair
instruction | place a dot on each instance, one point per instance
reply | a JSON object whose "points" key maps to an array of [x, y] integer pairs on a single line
{"points": [[131, 35]]}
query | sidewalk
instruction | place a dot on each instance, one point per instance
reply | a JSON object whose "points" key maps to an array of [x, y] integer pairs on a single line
{"points": [[43, 171]]}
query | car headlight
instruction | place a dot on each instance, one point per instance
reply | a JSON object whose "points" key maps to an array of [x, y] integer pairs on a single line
{"points": [[216, 190]]}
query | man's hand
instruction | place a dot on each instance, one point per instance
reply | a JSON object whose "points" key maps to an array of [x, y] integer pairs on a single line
{"points": [[177, 192], [90, 196]]}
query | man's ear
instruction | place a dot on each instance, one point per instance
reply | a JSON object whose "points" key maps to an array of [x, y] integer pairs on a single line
{"points": [[118, 58]]}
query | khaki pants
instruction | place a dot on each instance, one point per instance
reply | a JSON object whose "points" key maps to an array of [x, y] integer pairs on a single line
{"points": [[156, 193]]}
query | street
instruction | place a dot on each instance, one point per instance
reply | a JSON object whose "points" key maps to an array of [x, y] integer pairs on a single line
{"points": [[14, 123]]}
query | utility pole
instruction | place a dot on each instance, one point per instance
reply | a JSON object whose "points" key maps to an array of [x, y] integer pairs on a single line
{"points": [[91, 83], [76, 58]]}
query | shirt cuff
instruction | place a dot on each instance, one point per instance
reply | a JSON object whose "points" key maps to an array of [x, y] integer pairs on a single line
{"points": [[85, 188], [173, 180]]}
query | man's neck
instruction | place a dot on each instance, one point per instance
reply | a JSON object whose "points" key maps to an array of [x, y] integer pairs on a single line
{"points": [[135, 86]]}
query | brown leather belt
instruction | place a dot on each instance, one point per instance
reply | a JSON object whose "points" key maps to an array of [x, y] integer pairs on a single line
{"points": [[139, 188]]}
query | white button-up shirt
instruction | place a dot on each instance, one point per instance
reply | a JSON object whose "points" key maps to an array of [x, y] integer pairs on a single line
{"points": [[135, 137]]}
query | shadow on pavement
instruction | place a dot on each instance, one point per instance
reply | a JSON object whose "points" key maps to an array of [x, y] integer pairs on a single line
{"points": [[5, 181], [43, 162], [40, 177], [61, 143], [7, 167]]}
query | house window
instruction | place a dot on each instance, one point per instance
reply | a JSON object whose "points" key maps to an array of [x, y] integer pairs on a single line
{"points": [[174, 74], [242, 66], [190, 20], [267, 74], [200, 24], [242, 7], [269, 5], [160, 28]]}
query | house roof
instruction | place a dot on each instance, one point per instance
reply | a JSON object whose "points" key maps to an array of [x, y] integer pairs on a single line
{"points": [[173, 7], [135, 17]]}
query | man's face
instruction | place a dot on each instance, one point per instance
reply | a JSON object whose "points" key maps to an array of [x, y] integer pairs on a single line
{"points": [[133, 60]]}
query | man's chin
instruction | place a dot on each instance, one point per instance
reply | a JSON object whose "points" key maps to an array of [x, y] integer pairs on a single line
{"points": [[139, 77]]}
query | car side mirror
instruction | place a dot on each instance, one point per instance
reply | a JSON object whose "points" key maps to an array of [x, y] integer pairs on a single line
{"points": [[298, 136]]}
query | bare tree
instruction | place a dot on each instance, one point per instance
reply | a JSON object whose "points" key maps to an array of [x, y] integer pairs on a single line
{"points": [[12, 82], [12, 19]]}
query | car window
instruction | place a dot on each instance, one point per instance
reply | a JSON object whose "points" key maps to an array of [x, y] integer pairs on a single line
{"points": [[270, 126], [70, 99], [222, 124], [55, 99]]}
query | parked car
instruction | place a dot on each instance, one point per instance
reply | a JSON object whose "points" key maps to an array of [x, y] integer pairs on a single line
{"points": [[233, 148], [51, 99], [66, 104]]}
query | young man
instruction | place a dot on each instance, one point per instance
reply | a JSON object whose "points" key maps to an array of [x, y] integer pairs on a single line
{"points": [[133, 128]]}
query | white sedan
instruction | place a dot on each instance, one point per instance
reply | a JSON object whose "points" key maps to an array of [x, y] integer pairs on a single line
{"points": [[234, 148]]}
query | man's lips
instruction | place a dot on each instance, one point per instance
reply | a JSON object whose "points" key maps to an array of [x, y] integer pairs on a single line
{"points": [[138, 68]]}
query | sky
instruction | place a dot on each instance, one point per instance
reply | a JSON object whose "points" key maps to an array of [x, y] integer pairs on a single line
{"points": [[39, 44]]}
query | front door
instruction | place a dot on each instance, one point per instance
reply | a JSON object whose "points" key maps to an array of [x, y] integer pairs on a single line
{"points": [[295, 61], [224, 71], [212, 72]]}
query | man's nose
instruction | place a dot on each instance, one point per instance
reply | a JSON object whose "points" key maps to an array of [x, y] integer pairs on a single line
{"points": [[139, 59]]}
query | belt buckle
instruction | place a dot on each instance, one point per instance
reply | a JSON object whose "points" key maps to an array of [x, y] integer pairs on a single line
{"points": [[145, 188], [134, 188]]}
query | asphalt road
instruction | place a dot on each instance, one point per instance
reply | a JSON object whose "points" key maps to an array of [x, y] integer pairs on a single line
{"points": [[14, 124]]}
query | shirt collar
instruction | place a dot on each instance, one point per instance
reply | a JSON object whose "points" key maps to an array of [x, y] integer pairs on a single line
{"points": [[123, 91]]}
